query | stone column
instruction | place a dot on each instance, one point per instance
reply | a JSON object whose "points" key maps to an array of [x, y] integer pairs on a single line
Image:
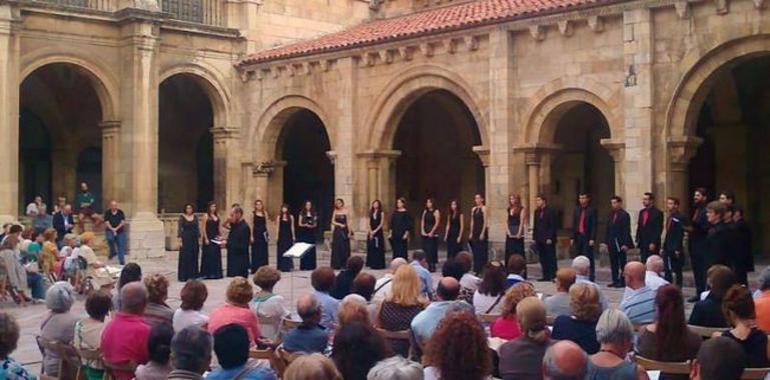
{"points": [[532, 159], [110, 159], [272, 175], [387, 177], [225, 173], [681, 150], [617, 149], [9, 112]]}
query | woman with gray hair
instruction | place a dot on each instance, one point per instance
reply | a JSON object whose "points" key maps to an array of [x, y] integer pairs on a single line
{"points": [[615, 334], [59, 325], [395, 368]]}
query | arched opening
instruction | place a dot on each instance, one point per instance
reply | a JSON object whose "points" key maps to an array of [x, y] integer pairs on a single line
{"points": [[186, 149], [60, 112], [436, 137], [580, 163], [309, 173], [734, 122]]}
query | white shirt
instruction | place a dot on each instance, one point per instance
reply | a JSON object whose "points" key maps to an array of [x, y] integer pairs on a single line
{"points": [[382, 288], [431, 373], [270, 312], [32, 209], [482, 303], [185, 318], [470, 281], [654, 281]]}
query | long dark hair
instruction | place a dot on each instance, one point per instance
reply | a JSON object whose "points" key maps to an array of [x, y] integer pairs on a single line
{"points": [[517, 200], [457, 211], [208, 209], [357, 348], [378, 209], [287, 213], [304, 207], [493, 279], [671, 330]]}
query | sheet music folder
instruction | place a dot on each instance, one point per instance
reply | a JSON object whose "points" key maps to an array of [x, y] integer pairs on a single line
{"points": [[298, 250]]}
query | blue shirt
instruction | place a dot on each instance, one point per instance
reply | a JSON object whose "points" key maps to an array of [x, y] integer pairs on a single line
{"points": [[256, 373], [424, 323], [306, 338], [639, 305], [425, 280], [329, 306]]}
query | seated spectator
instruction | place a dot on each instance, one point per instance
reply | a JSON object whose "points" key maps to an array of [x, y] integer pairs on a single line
{"points": [[312, 367], [458, 349], [468, 282], [403, 303], [489, 294], [357, 348], [231, 344], [382, 287], [322, 280], [507, 325], [558, 304], [395, 368], [424, 324], [193, 295], [638, 301], [310, 336], [15, 274], [127, 322], [353, 308], [582, 267], [43, 220], [159, 349], [580, 326], [131, 272], [708, 312], [719, 358], [668, 339], [454, 269], [157, 292], [517, 268], [49, 254], [363, 285], [9, 338], [100, 278], [269, 307], [762, 300], [565, 360], [236, 309], [420, 265], [522, 358], [738, 308], [344, 279], [652, 277], [88, 331], [59, 325], [191, 349], [615, 334], [33, 208]]}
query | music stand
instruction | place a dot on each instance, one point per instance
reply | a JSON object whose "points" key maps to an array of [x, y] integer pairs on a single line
{"points": [[296, 253]]}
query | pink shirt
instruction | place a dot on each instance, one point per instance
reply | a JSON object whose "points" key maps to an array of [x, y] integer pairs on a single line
{"points": [[229, 313], [505, 328], [124, 339]]}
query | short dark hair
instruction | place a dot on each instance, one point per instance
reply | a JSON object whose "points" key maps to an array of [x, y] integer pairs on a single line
{"points": [[419, 255], [617, 198], [191, 348], [354, 264], [98, 304], [231, 344], [650, 195], [266, 277], [452, 268], [447, 293], [15, 229], [738, 301], [159, 342], [465, 259], [717, 207], [517, 264], [728, 194], [584, 194], [542, 196], [193, 295], [721, 358], [702, 191], [130, 273], [675, 200], [322, 279], [363, 285]]}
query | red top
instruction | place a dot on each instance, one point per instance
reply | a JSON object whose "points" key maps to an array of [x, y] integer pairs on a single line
{"points": [[505, 328], [124, 339], [229, 313], [762, 306]]}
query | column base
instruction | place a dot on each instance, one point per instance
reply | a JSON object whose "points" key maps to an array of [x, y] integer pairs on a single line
{"points": [[7, 219], [146, 237]]}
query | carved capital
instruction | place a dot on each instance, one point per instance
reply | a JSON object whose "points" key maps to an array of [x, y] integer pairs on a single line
{"points": [[266, 168], [681, 150], [616, 149], [332, 155], [109, 127], [220, 134], [483, 153], [534, 153]]}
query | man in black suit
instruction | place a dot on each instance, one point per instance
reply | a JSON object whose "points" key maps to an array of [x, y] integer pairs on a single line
{"points": [[673, 249], [717, 247], [618, 240], [584, 230], [544, 233], [63, 223], [649, 227], [697, 232], [743, 259]]}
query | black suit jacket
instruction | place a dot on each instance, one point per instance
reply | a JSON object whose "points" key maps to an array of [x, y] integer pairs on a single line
{"points": [[545, 226], [590, 222], [675, 233], [743, 245], [619, 230], [58, 224], [717, 245], [650, 232]]}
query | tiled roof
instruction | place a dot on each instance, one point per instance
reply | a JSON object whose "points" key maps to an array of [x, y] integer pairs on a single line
{"points": [[443, 19]]}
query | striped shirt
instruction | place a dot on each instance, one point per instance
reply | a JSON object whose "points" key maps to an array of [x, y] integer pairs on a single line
{"points": [[639, 305]]}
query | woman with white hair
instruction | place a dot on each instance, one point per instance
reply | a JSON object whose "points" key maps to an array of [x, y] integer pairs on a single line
{"points": [[395, 368], [59, 325], [615, 334]]}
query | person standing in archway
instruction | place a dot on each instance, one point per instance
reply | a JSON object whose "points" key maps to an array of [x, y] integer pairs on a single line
{"points": [[618, 240], [188, 234], [428, 226], [259, 237], [514, 236], [544, 234], [697, 232], [308, 222], [400, 226], [375, 243], [211, 262], [649, 227], [286, 238], [455, 226], [479, 242], [238, 244], [584, 220], [340, 235]]}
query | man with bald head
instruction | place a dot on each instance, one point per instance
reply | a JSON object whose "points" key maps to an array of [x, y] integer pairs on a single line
{"points": [[654, 268], [564, 360], [639, 300], [383, 285], [424, 323], [124, 338], [310, 336]]}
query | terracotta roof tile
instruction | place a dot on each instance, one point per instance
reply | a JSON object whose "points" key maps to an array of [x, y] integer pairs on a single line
{"points": [[454, 17]]}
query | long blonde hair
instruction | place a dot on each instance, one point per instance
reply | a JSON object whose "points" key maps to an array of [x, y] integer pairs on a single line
{"points": [[406, 288], [530, 313]]}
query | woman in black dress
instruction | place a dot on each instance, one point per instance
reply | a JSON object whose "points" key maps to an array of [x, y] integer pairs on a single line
{"points": [[479, 243], [188, 232], [400, 226], [259, 237], [286, 238], [238, 244], [211, 263], [308, 222], [340, 235], [428, 227], [517, 216], [455, 226], [375, 243]]}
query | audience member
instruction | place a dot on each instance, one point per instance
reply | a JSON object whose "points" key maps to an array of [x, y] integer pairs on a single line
{"points": [[762, 300], [193, 295], [191, 350], [395, 368], [59, 324], [403, 303], [131, 272], [43, 220], [420, 265], [652, 276], [63, 221], [507, 325], [708, 312], [458, 350], [565, 360], [15, 274], [322, 280], [33, 208], [49, 253], [615, 334], [100, 277], [719, 358], [231, 344], [559, 303], [363, 285], [344, 279], [269, 307], [582, 267], [486, 299], [128, 322], [452, 268], [424, 323], [159, 349], [9, 338], [352, 308], [468, 281], [312, 367], [382, 287], [88, 331], [157, 292], [580, 326], [517, 267], [236, 309], [668, 339], [357, 348], [738, 308], [522, 358], [638, 300], [310, 336]]}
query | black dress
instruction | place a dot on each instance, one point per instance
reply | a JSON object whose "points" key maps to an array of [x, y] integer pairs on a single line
{"points": [[452, 246], [400, 223], [479, 242], [513, 245], [189, 232], [211, 263], [259, 247], [285, 242], [238, 249], [307, 235], [375, 245], [340, 242], [430, 242]]}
